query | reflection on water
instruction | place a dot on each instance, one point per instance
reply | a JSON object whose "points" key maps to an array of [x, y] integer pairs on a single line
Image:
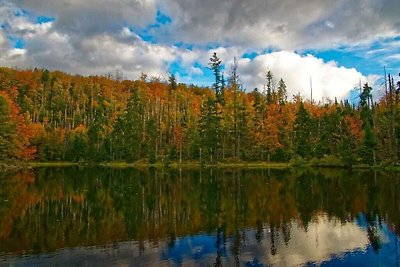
{"points": [[199, 217]]}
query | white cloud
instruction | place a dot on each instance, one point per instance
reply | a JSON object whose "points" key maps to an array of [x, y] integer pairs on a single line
{"points": [[325, 238], [10, 56], [99, 53], [92, 17], [3, 40], [328, 79], [283, 24], [394, 57]]}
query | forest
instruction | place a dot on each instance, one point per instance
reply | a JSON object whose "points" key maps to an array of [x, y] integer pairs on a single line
{"points": [[54, 116]]}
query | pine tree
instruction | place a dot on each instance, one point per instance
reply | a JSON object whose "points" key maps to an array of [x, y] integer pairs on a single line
{"points": [[215, 66], [269, 88], [282, 94], [209, 126], [234, 84], [302, 132], [97, 135], [133, 127], [172, 82], [368, 151]]}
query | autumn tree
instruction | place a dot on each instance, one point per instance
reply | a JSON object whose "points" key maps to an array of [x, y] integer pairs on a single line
{"points": [[8, 129]]}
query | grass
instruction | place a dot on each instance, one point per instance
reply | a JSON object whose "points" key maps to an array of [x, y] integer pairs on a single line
{"points": [[51, 164], [143, 163], [253, 165], [195, 164]]}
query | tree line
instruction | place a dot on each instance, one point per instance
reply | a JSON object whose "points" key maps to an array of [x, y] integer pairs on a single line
{"points": [[54, 116]]}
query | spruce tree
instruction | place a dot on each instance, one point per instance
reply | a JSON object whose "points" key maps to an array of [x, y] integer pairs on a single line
{"points": [[282, 94], [269, 88], [368, 151], [302, 132], [133, 127], [209, 126], [215, 66]]}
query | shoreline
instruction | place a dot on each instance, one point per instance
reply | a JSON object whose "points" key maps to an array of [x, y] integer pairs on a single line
{"points": [[184, 165]]}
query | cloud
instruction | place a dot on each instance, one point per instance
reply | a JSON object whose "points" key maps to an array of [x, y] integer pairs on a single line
{"points": [[328, 79], [325, 239], [92, 17], [100, 54], [8, 54], [282, 24], [202, 56]]}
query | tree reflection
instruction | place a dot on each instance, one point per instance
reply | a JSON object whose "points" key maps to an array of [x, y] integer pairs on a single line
{"points": [[47, 209]]}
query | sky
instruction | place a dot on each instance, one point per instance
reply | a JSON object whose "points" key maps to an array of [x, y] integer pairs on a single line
{"points": [[330, 46]]}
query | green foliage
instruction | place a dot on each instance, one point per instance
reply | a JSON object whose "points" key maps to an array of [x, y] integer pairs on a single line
{"points": [[127, 134], [327, 161], [7, 130], [298, 161], [172, 154], [368, 150], [282, 94], [270, 76], [219, 83], [302, 132], [152, 140], [78, 147], [209, 125]]}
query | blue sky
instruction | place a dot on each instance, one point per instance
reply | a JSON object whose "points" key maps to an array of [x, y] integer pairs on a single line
{"points": [[296, 40]]}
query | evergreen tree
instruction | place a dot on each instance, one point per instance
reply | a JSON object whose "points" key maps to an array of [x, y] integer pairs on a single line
{"points": [[269, 88], [302, 132], [152, 140], [215, 66], [347, 147], [209, 126], [77, 147], [234, 84], [172, 82], [282, 94], [133, 126], [97, 135], [118, 138], [368, 151]]}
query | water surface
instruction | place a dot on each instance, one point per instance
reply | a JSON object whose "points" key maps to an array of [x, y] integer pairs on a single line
{"points": [[208, 217]]}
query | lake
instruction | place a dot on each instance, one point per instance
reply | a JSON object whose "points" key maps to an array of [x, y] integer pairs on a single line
{"points": [[202, 217]]}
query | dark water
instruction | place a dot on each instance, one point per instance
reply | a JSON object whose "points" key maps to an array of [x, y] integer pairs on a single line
{"points": [[105, 217]]}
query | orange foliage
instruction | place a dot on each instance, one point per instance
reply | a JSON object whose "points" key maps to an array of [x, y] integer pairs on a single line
{"points": [[354, 124]]}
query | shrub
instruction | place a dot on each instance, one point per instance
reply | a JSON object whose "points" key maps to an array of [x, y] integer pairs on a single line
{"points": [[327, 161], [298, 161]]}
